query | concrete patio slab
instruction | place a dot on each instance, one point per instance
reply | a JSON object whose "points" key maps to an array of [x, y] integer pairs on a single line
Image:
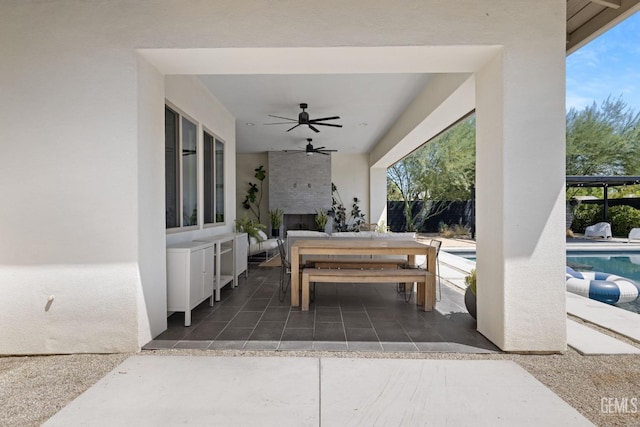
{"points": [[587, 340], [283, 391], [365, 392], [609, 317], [200, 391]]}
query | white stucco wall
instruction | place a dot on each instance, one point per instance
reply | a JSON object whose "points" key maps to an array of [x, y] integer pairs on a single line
{"points": [[152, 301], [74, 143], [350, 174]]}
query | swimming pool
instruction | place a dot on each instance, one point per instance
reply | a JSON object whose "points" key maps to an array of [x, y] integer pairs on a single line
{"points": [[625, 264], [621, 264]]}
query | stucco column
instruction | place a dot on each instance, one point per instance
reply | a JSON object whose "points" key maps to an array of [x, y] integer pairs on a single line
{"points": [[520, 199], [378, 195]]}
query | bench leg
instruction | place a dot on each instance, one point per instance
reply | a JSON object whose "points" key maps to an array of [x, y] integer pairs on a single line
{"points": [[429, 295], [419, 293], [305, 292]]}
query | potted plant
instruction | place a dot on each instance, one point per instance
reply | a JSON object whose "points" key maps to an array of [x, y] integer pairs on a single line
{"points": [[321, 220], [470, 293], [249, 226], [275, 216]]}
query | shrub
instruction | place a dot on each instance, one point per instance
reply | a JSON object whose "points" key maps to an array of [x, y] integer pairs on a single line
{"points": [[586, 215], [623, 219], [470, 280], [453, 231]]}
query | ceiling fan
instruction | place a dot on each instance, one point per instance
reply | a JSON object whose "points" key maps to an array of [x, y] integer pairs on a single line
{"points": [[309, 150], [303, 119]]}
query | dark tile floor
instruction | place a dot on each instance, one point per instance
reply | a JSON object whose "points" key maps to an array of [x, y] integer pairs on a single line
{"points": [[343, 317]]}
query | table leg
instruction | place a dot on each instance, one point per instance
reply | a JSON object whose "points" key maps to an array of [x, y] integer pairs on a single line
{"points": [[295, 277], [305, 292]]}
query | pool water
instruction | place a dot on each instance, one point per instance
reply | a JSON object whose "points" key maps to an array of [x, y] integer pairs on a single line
{"points": [[621, 265], [625, 265]]}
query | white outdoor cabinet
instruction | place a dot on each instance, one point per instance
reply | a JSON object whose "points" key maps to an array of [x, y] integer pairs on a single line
{"points": [[242, 254], [190, 276], [225, 260]]}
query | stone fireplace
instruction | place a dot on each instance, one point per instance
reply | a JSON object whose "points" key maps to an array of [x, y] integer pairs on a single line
{"points": [[300, 185], [299, 222]]}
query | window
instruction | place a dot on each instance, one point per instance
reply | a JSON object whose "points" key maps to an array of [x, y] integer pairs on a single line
{"points": [[189, 173], [219, 181], [181, 170], [183, 190], [172, 168], [213, 150]]}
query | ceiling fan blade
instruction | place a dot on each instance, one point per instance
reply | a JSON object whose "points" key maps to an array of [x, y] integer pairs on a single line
{"points": [[284, 118], [328, 124], [294, 151], [319, 148], [324, 118], [313, 129], [322, 152], [293, 127]]}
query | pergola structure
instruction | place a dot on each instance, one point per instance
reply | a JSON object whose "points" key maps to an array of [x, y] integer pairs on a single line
{"points": [[605, 182]]}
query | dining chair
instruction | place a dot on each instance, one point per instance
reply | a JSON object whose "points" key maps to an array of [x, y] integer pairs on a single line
{"points": [[437, 244], [285, 269], [285, 273]]}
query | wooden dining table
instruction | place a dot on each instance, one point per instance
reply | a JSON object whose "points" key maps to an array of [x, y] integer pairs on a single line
{"points": [[358, 247]]}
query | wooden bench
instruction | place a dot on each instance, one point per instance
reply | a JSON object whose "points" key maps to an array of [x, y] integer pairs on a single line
{"points": [[355, 263], [426, 296]]}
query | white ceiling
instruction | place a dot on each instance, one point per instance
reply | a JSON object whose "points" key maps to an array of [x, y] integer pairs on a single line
{"points": [[368, 105]]}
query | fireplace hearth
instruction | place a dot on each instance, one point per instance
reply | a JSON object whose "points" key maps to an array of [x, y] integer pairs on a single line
{"points": [[299, 222]]}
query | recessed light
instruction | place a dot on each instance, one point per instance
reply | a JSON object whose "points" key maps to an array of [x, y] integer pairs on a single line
{"points": [[250, 124], [362, 124]]}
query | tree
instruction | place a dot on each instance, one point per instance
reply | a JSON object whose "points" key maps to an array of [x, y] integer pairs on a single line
{"points": [[602, 140], [436, 174], [253, 199]]}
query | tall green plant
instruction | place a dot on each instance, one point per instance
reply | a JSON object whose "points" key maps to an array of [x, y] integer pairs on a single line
{"points": [[253, 199], [275, 216], [340, 220], [437, 174], [602, 140]]}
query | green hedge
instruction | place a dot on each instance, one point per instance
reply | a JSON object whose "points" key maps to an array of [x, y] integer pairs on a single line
{"points": [[622, 218], [586, 215]]}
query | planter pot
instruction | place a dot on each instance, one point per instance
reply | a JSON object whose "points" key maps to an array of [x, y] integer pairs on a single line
{"points": [[470, 302], [275, 232]]}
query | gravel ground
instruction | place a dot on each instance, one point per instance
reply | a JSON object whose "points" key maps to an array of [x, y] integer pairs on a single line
{"points": [[34, 388]]}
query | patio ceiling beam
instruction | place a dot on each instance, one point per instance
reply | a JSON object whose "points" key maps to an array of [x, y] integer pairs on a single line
{"points": [[614, 4]]}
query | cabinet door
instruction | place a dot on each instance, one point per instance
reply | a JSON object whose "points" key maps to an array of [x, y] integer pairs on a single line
{"points": [[197, 268], [209, 271]]}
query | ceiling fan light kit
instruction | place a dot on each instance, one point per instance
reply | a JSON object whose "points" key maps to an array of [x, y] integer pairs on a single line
{"points": [[303, 119], [309, 150]]}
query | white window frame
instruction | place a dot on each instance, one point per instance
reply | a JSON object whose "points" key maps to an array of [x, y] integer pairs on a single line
{"points": [[214, 195], [199, 191]]}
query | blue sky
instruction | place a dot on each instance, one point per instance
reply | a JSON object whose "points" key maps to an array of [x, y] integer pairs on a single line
{"points": [[608, 65]]}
